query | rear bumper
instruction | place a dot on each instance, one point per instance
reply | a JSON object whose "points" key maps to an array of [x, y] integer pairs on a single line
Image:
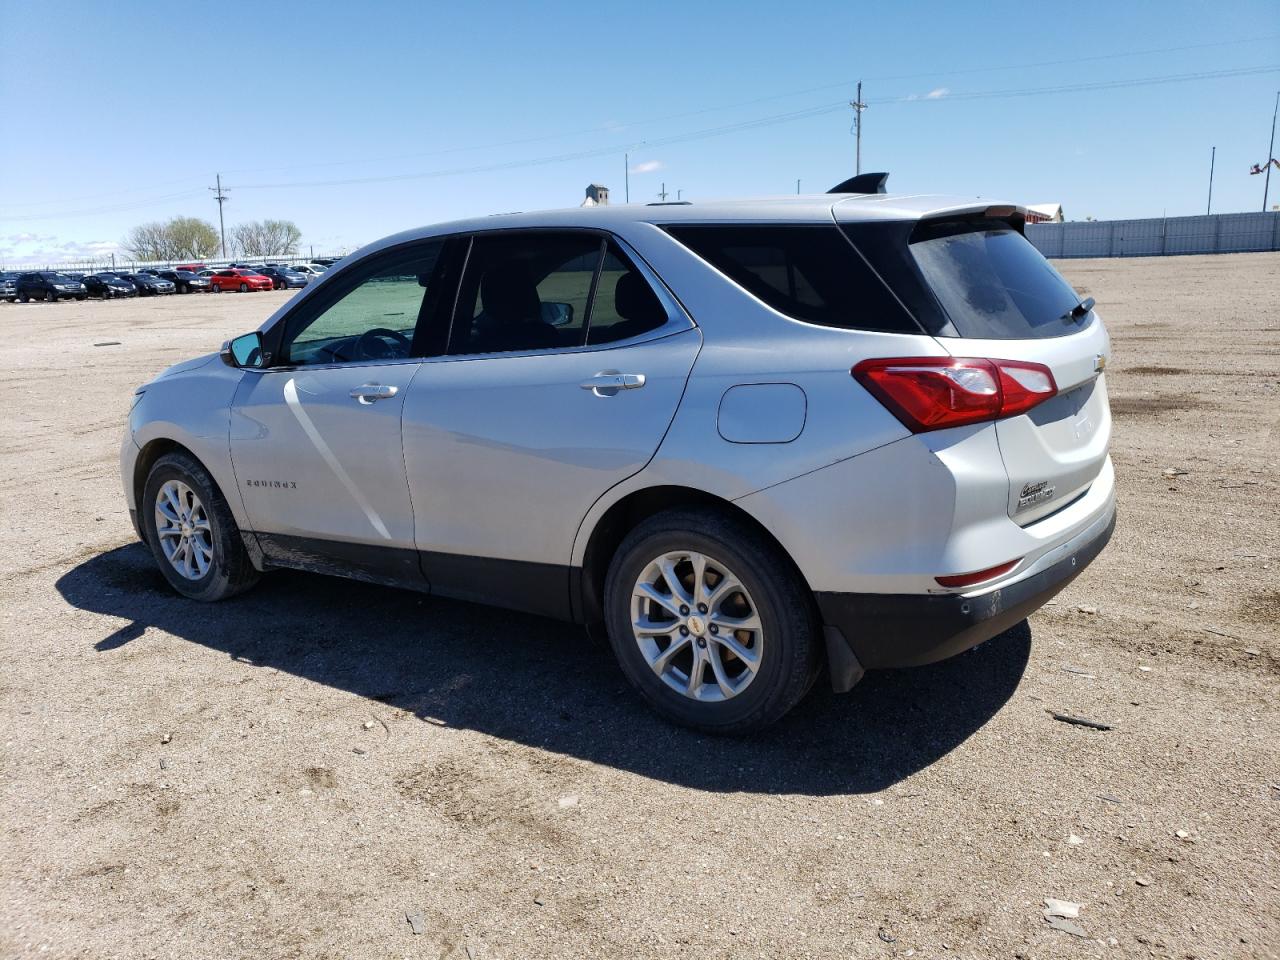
{"points": [[905, 630]]}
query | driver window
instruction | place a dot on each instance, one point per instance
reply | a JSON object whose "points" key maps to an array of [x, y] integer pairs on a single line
{"points": [[376, 319]]}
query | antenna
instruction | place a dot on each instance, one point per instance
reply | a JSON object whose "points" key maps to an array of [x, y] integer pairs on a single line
{"points": [[663, 192]]}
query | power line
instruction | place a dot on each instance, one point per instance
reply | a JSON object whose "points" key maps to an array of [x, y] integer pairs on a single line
{"points": [[772, 120], [617, 127]]}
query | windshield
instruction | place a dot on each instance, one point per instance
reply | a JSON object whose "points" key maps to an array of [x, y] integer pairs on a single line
{"points": [[992, 283]]}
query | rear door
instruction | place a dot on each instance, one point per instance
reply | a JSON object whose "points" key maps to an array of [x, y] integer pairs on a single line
{"points": [[1003, 300], [565, 365]]}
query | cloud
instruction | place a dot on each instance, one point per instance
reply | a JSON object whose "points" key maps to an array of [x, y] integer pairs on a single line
{"points": [[937, 93], [29, 249], [647, 166]]}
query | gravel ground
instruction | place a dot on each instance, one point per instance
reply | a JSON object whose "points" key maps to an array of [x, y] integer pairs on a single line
{"points": [[297, 772]]}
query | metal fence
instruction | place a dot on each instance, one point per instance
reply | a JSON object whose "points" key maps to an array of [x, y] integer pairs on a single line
{"points": [[125, 265], [1158, 237]]}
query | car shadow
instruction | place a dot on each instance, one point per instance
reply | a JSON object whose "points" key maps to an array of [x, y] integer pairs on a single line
{"points": [[544, 683]]}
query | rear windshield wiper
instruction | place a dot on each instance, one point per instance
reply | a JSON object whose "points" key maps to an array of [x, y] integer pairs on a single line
{"points": [[1080, 310]]}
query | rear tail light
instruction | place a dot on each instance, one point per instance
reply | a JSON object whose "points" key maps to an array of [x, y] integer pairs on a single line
{"points": [[933, 393], [969, 579]]}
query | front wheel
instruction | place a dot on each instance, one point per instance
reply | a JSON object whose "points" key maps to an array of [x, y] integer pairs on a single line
{"points": [[244, 288], [50, 296], [191, 531], [711, 623]]}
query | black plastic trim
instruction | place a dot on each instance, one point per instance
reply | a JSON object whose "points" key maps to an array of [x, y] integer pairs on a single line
{"points": [[907, 630], [540, 588]]}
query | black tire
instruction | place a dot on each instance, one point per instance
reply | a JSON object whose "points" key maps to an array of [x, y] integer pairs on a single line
{"points": [[231, 571], [792, 650], [51, 296], [23, 299], [244, 288], [82, 296]]}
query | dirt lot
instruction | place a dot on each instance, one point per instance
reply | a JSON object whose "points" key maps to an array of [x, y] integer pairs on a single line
{"points": [[289, 774]]}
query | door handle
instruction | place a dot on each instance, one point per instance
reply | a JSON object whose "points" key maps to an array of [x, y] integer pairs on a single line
{"points": [[607, 384], [372, 392]]}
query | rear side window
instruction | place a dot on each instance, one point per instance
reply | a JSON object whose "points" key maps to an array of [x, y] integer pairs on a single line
{"points": [[809, 273], [990, 280], [625, 305]]}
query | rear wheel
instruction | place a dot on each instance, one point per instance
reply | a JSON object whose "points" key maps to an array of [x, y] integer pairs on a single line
{"points": [[191, 532], [244, 288], [710, 622]]}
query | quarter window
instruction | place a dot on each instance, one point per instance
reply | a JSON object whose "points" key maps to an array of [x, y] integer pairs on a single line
{"points": [[625, 305], [810, 273]]}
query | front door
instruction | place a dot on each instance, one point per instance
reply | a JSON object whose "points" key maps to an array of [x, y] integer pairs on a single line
{"points": [[316, 438], [564, 370]]}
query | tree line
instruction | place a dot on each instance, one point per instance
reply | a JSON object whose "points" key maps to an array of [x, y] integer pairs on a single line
{"points": [[190, 238]]}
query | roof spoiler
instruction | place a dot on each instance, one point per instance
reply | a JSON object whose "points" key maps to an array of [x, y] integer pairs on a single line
{"points": [[863, 183]]}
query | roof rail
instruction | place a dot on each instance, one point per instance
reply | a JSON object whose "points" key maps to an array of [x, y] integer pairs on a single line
{"points": [[863, 183]]}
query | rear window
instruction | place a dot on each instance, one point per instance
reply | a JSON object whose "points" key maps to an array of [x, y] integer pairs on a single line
{"points": [[809, 273], [991, 282]]}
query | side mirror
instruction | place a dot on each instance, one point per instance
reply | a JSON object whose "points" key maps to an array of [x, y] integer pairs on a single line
{"points": [[244, 351], [557, 314]]}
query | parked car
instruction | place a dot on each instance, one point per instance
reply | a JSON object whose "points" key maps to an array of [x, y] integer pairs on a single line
{"points": [[746, 440], [192, 267], [48, 285], [282, 277], [108, 286], [309, 270], [148, 284], [207, 272], [9, 286], [325, 261], [185, 281], [241, 279]]}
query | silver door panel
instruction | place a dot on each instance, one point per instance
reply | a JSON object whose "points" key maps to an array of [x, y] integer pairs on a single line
{"points": [[506, 453], [314, 461]]}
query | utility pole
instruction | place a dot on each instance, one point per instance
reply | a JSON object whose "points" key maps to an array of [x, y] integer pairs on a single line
{"points": [[222, 229], [797, 186], [858, 107], [626, 175], [1271, 152], [1209, 207], [663, 193]]}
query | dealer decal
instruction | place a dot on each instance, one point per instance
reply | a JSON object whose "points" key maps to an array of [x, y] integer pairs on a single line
{"points": [[278, 484]]}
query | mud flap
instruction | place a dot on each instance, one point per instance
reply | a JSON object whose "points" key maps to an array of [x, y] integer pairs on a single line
{"points": [[845, 669]]}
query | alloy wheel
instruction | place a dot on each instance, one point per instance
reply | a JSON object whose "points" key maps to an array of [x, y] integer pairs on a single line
{"points": [[696, 626], [183, 529]]}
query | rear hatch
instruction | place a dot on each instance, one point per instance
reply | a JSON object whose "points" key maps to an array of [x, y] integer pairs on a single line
{"points": [[982, 290]]}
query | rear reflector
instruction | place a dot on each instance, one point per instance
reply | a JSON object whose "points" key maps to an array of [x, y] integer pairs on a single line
{"points": [[933, 393], [969, 579]]}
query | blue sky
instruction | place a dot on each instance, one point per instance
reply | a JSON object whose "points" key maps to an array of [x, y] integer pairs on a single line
{"points": [[123, 114]]}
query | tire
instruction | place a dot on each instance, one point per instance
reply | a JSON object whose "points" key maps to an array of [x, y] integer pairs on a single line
{"points": [[244, 288], [228, 570], [215, 288], [82, 296], [23, 299], [788, 641], [51, 296]]}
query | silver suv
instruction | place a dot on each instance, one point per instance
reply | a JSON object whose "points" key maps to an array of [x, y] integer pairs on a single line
{"points": [[746, 440]]}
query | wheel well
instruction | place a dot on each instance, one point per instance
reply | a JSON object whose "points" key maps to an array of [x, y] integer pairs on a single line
{"points": [[621, 518], [152, 452]]}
